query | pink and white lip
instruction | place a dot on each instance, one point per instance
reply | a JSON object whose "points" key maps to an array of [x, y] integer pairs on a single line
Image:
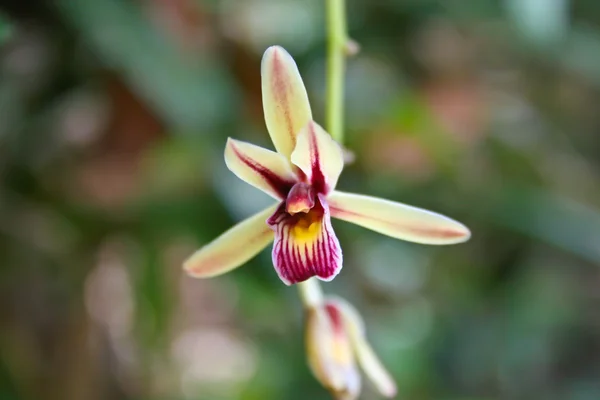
{"points": [[301, 175]]}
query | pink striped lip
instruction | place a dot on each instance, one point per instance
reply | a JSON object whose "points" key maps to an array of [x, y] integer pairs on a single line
{"points": [[305, 244]]}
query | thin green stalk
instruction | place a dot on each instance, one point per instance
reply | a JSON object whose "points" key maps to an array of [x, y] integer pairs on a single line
{"points": [[310, 290], [311, 293], [336, 59]]}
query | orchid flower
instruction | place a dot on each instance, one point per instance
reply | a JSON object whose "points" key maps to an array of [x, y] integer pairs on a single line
{"points": [[301, 176], [336, 345]]}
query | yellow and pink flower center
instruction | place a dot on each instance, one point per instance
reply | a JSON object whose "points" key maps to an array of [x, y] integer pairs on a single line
{"points": [[305, 244]]}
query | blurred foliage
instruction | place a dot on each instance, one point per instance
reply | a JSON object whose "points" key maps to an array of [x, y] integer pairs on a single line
{"points": [[113, 119]]}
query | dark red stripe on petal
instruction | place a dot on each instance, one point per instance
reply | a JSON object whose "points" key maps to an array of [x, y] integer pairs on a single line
{"points": [[335, 316], [280, 87], [279, 184], [317, 178]]}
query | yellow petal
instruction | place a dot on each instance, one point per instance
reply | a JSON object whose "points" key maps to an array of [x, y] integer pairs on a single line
{"points": [[397, 220], [233, 248], [264, 169], [284, 97], [366, 357], [319, 156]]}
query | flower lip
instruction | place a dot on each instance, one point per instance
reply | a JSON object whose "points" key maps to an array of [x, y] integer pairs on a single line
{"points": [[305, 244], [301, 198]]}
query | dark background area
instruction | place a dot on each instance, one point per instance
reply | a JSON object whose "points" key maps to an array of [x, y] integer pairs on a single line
{"points": [[113, 120]]}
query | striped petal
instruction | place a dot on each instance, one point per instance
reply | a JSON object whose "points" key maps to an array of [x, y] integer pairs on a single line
{"points": [[330, 352], [233, 248], [366, 357], [305, 244], [264, 169], [319, 156], [397, 220], [285, 102]]}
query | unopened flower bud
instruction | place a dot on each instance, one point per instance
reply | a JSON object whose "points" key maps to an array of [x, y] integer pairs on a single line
{"points": [[336, 344], [330, 353]]}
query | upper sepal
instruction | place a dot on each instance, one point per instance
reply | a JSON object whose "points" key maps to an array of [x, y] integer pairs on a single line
{"points": [[285, 102]]}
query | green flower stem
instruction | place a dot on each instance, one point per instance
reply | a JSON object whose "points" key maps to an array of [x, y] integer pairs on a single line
{"points": [[310, 290], [311, 293], [337, 38]]}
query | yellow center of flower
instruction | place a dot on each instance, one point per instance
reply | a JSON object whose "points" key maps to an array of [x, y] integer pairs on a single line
{"points": [[307, 226]]}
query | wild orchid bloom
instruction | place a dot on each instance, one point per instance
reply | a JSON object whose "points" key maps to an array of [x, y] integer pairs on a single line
{"points": [[302, 176], [336, 343]]}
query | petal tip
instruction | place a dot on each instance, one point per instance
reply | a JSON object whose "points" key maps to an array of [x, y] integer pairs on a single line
{"points": [[461, 234], [390, 392], [191, 269], [273, 49], [467, 234], [455, 235], [272, 54], [198, 266], [229, 144]]}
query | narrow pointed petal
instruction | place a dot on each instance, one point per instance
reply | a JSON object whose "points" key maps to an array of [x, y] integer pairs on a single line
{"points": [[365, 355], [233, 248], [330, 353], [319, 156], [397, 220], [285, 102], [305, 244], [264, 169]]}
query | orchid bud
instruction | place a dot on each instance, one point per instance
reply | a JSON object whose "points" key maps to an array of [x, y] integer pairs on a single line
{"points": [[336, 345], [330, 353]]}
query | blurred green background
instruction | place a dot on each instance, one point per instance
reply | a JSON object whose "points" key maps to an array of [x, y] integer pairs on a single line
{"points": [[113, 120]]}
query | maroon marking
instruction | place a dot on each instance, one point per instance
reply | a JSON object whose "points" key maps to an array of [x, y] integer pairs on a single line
{"points": [[309, 269], [280, 87], [277, 183], [289, 259], [317, 178], [437, 233], [335, 316], [321, 253], [297, 262], [316, 265]]}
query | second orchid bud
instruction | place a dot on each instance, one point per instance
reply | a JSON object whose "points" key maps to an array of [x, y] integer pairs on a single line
{"points": [[336, 346]]}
